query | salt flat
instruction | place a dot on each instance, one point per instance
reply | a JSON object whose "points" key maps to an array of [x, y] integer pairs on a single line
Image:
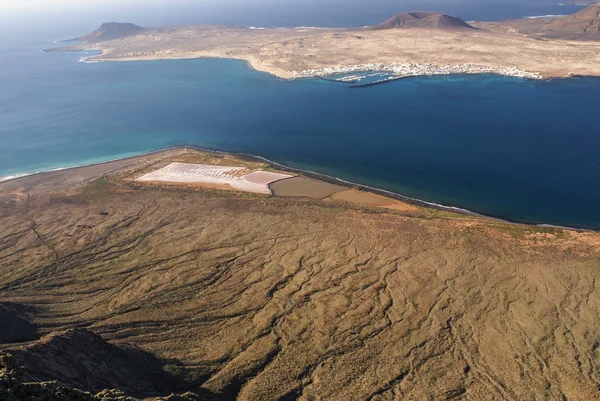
{"points": [[239, 178]]}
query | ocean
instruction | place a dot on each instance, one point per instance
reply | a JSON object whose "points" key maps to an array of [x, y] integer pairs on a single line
{"points": [[515, 149]]}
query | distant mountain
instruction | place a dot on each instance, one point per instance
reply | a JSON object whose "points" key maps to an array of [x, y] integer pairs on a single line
{"points": [[112, 30], [423, 19], [582, 25]]}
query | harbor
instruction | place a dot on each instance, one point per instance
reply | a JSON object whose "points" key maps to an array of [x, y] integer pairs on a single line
{"points": [[372, 74]]}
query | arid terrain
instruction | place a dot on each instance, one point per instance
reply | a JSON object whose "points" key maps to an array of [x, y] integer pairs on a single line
{"points": [[554, 47], [583, 25], [123, 289]]}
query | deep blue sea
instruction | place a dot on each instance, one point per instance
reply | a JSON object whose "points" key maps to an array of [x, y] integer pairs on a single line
{"points": [[510, 148]]}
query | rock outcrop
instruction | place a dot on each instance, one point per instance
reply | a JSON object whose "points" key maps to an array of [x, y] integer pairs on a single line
{"points": [[16, 326]]}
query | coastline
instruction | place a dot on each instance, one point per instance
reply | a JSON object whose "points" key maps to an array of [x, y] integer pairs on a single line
{"points": [[459, 69], [399, 70], [128, 156], [310, 174]]}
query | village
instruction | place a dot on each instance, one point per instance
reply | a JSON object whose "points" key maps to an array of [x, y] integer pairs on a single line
{"points": [[415, 69]]}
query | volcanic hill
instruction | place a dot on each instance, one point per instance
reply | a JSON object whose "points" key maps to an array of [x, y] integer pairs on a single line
{"points": [[423, 19], [112, 30]]}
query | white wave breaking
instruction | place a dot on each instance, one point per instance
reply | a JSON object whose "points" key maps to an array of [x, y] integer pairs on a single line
{"points": [[87, 60], [20, 175], [546, 16], [12, 177]]}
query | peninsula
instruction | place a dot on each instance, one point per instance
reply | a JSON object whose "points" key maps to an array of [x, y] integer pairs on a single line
{"points": [[408, 44]]}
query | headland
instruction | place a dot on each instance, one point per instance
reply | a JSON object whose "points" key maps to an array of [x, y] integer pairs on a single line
{"points": [[195, 167]]}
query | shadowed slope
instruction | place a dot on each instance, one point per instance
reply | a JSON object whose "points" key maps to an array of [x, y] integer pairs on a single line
{"points": [[80, 359], [15, 385], [15, 324]]}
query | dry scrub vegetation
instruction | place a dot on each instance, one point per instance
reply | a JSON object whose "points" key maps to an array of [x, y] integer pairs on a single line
{"points": [[278, 299]]}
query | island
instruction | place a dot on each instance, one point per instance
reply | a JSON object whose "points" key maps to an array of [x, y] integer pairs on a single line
{"points": [[409, 44]]}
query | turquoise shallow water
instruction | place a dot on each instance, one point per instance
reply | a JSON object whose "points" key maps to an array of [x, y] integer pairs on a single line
{"points": [[515, 149]]}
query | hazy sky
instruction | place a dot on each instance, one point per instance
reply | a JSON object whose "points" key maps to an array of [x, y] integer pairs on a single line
{"points": [[56, 19], [24, 4], [33, 6], [62, 17], [62, 7]]}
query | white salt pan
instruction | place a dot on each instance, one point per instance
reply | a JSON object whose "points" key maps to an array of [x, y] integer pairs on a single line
{"points": [[236, 177]]}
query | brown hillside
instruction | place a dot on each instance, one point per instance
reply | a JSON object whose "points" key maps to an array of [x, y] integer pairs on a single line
{"points": [[582, 25], [269, 299]]}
